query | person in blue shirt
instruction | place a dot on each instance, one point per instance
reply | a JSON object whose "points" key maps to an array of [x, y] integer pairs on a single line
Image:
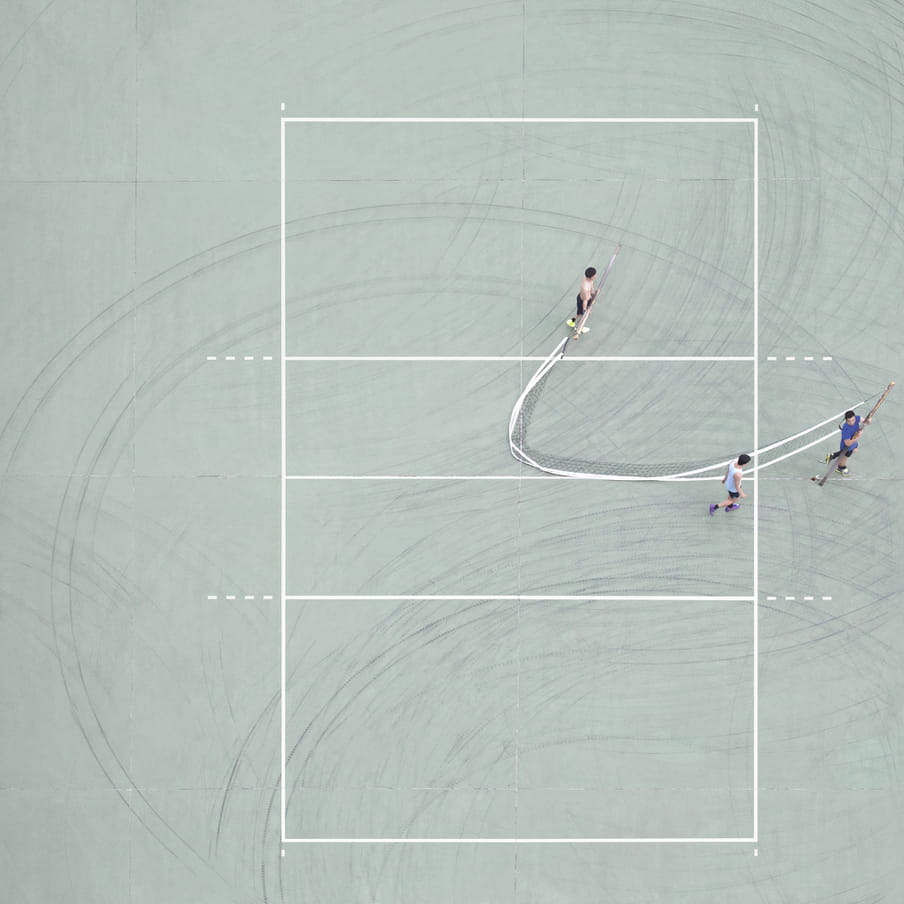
{"points": [[850, 434], [732, 480]]}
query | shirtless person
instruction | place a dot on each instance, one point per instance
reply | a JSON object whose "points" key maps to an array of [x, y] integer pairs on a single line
{"points": [[585, 298]]}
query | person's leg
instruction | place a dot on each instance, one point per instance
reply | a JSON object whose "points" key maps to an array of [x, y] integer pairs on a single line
{"points": [[732, 499], [843, 463], [580, 312]]}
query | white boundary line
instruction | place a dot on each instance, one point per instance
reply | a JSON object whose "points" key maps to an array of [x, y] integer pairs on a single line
{"points": [[518, 840], [282, 482], [523, 598], [518, 120], [756, 492], [283, 360]]}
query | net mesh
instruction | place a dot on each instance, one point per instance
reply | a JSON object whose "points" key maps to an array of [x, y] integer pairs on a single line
{"points": [[523, 450]]}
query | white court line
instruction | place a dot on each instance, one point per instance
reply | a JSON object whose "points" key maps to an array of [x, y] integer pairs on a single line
{"points": [[518, 358], [518, 119], [247, 596], [756, 494], [489, 120], [282, 482], [423, 477], [519, 840], [497, 477], [524, 597]]}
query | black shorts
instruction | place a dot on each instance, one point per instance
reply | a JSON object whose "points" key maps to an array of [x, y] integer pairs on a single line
{"points": [[581, 307], [734, 495]]}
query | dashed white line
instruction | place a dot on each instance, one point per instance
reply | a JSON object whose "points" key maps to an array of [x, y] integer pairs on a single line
{"points": [[794, 598], [794, 357], [233, 596], [236, 358]]}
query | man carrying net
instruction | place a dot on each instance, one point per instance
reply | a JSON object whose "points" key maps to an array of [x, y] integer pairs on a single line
{"points": [[850, 434], [585, 298]]}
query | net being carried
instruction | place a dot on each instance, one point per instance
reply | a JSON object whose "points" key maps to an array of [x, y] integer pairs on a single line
{"points": [[524, 430], [556, 464]]}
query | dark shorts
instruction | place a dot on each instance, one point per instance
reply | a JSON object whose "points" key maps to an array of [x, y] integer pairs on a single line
{"points": [[734, 495], [581, 307]]}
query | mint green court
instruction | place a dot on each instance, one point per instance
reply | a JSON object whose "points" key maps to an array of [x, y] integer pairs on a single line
{"points": [[284, 617]]}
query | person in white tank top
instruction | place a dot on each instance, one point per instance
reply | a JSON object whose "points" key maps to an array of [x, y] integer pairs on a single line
{"points": [[732, 480]]}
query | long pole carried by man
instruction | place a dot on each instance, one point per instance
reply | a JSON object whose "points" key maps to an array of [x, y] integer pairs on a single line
{"points": [[851, 431], [587, 296]]}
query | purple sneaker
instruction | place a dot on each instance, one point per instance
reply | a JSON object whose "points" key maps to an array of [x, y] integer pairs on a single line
{"points": [[712, 508], [732, 507]]}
